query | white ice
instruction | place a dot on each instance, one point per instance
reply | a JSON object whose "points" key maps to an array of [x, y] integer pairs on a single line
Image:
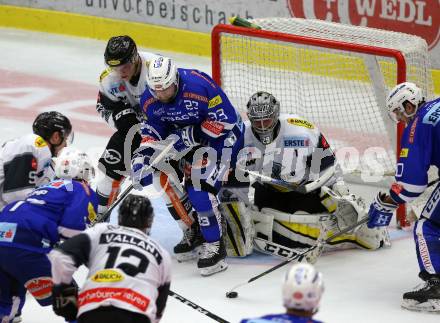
{"points": [[360, 286]]}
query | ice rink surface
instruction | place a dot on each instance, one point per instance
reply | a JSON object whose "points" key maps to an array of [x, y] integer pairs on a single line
{"points": [[43, 72]]}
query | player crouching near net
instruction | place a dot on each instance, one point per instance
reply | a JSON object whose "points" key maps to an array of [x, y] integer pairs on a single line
{"points": [[420, 149], [129, 272], [300, 195], [302, 290]]}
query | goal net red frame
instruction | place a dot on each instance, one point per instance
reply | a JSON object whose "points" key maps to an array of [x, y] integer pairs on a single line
{"points": [[240, 55]]}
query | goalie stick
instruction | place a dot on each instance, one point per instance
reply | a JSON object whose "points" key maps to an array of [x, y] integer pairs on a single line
{"points": [[196, 307], [304, 189], [301, 255], [160, 157]]}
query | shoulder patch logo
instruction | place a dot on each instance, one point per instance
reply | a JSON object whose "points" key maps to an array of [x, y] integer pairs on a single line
{"points": [[215, 101], [300, 122], [104, 74], [404, 152], [40, 142]]}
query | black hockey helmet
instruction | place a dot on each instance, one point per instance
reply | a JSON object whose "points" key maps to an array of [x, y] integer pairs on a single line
{"points": [[120, 50], [46, 123], [136, 212]]}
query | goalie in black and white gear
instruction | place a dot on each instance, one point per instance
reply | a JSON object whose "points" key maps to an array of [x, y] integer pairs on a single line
{"points": [[129, 272], [300, 195]]}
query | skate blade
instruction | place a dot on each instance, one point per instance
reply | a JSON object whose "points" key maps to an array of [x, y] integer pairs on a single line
{"points": [[187, 256], [218, 267], [432, 305]]}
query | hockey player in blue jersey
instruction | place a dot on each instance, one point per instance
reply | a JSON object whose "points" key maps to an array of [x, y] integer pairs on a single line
{"points": [[420, 148], [187, 107], [302, 290], [30, 228]]}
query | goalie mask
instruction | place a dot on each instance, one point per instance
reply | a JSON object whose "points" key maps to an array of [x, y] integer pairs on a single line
{"points": [[263, 111], [72, 163], [399, 95], [302, 288], [136, 212]]}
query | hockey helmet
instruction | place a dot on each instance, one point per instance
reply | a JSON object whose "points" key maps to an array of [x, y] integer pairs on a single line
{"points": [[401, 93], [162, 73], [302, 288], [263, 111], [46, 123], [72, 163], [120, 50], [136, 212]]}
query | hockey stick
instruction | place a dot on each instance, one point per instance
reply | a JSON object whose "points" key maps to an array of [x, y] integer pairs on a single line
{"points": [[104, 216], [304, 189], [198, 308], [301, 255]]}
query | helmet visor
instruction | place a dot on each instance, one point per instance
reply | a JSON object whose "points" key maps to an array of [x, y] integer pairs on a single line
{"points": [[264, 124]]}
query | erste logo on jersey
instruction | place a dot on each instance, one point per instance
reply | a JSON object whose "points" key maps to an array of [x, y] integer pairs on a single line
{"points": [[7, 231], [294, 142], [300, 122], [433, 115]]}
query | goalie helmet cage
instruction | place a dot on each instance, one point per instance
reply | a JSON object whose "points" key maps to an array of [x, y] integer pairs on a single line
{"points": [[335, 75]]}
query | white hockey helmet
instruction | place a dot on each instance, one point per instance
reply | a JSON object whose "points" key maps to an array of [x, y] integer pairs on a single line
{"points": [[162, 73], [72, 163], [401, 93], [302, 288]]}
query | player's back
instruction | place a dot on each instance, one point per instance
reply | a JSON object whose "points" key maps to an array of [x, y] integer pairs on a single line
{"points": [[127, 262], [429, 117], [37, 223], [284, 318], [24, 163]]}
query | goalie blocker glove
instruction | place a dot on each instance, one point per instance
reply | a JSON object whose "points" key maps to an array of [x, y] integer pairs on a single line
{"points": [[64, 301], [380, 212]]}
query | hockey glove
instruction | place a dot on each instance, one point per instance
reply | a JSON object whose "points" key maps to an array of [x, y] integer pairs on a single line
{"points": [[341, 188], [124, 118], [184, 138], [380, 213], [64, 300], [141, 173]]}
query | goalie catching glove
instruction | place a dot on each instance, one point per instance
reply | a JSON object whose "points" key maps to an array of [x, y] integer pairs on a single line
{"points": [[65, 299], [380, 212]]}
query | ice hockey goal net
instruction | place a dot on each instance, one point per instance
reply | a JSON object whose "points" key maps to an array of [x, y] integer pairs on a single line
{"points": [[335, 75]]}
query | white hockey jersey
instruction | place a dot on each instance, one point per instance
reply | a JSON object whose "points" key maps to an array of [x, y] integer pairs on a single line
{"points": [[297, 154], [127, 269], [119, 90], [25, 163]]}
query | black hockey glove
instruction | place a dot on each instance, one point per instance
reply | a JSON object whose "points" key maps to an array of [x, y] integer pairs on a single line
{"points": [[124, 118], [64, 300]]}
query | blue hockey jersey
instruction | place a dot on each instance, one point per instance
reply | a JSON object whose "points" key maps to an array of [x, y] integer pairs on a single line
{"points": [[58, 210], [281, 318], [200, 102], [420, 148]]}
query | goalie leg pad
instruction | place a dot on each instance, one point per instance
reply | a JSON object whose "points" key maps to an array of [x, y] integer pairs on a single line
{"points": [[263, 223], [239, 229]]}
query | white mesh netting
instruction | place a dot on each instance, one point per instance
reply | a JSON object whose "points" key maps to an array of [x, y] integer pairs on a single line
{"points": [[341, 91]]}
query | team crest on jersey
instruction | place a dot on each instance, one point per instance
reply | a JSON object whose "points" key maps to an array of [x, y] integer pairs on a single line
{"points": [[107, 276], [40, 142], [301, 123], [7, 231], [215, 101]]}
